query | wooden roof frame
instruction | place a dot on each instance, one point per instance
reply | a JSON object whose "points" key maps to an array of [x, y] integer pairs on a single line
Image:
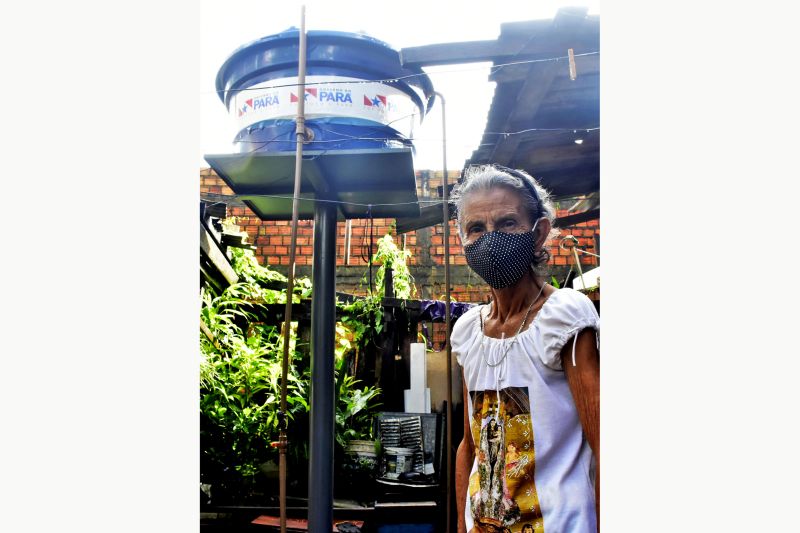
{"points": [[538, 111]]}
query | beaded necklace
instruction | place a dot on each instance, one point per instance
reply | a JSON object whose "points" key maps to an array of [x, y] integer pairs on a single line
{"points": [[502, 338]]}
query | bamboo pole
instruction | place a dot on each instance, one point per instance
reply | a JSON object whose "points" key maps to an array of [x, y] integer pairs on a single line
{"points": [[287, 326]]}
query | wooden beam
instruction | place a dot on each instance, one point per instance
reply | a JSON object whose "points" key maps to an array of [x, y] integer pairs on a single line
{"points": [[210, 209], [236, 241], [209, 247], [530, 97], [571, 220], [450, 53], [430, 216]]}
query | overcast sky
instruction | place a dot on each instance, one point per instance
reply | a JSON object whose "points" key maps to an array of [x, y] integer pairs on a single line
{"points": [[226, 25]]}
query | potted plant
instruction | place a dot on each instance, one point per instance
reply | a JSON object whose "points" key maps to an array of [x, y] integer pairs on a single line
{"points": [[355, 407]]}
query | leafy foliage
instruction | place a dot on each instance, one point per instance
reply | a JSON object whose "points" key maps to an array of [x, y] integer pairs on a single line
{"points": [[257, 279], [354, 410], [240, 376], [389, 255], [240, 385], [363, 317]]}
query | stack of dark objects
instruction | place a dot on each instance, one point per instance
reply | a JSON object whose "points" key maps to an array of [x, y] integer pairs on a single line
{"points": [[420, 437], [410, 495]]}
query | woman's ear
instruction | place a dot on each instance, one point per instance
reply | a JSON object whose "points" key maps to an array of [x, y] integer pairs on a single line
{"points": [[542, 231]]}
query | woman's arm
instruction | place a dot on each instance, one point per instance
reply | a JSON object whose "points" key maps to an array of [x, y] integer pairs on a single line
{"points": [[584, 382], [465, 456]]}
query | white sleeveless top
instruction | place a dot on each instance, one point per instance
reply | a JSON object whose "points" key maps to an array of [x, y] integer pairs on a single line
{"points": [[532, 463]]}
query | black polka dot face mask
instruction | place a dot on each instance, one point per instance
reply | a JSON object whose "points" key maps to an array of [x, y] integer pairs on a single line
{"points": [[501, 258]]}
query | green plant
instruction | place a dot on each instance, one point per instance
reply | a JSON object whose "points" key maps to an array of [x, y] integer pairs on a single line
{"points": [[389, 255], [240, 385], [240, 376], [363, 317], [259, 279], [355, 407], [246, 265]]}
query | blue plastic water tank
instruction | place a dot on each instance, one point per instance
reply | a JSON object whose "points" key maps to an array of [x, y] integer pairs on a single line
{"points": [[258, 85]]}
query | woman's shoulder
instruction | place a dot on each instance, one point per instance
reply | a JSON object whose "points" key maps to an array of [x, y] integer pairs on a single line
{"points": [[468, 321], [568, 302], [466, 329], [565, 313]]}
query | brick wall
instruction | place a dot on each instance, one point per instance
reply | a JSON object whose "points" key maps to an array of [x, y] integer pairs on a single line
{"points": [[272, 239]]}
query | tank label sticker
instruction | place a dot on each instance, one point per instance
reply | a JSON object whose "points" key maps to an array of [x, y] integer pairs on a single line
{"points": [[334, 96]]}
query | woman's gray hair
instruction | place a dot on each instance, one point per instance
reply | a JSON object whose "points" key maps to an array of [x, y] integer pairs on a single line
{"points": [[485, 177]]}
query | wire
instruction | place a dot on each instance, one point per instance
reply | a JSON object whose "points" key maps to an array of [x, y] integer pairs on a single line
{"points": [[412, 139], [301, 199], [341, 202], [363, 246], [408, 76], [401, 137], [565, 130]]}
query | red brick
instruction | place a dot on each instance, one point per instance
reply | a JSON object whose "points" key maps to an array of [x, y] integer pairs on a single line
{"points": [[281, 250]]}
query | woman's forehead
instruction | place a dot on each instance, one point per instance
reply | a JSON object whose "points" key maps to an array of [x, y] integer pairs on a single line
{"points": [[496, 200]]}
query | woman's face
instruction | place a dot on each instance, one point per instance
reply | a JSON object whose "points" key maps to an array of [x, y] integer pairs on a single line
{"points": [[496, 209]]}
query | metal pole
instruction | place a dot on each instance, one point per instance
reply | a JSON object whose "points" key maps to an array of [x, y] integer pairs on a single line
{"points": [[348, 229], [446, 222], [287, 326], [323, 322]]}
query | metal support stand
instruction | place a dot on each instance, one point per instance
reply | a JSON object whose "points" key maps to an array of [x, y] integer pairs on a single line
{"points": [[446, 228], [323, 401]]}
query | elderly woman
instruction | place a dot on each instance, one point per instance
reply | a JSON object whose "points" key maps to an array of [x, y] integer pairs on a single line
{"points": [[530, 362]]}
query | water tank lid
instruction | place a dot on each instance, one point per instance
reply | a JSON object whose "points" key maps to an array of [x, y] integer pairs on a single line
{"points": [[384, 62], [292, 32]]}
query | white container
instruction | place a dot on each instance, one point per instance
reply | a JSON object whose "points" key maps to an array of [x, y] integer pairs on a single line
{"points": [[398, 461]]}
